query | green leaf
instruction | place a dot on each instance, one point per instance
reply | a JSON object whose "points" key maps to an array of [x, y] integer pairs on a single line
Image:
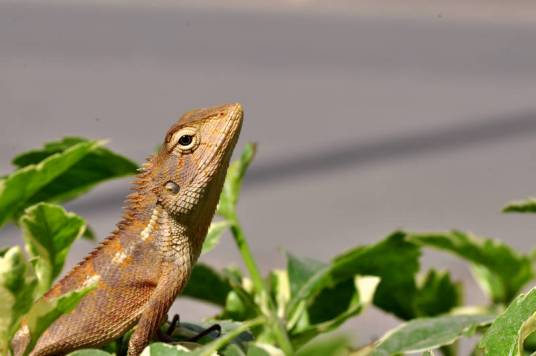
{"points": [[35, 156], [239, 303], [232, 332], [20, 188], [233, 350], [238, 308], [337, 346], [508, 332], [184, 331], [90, 352], [233, 181], [324, 319], [394, 260], [162, 349], [423, 334], [262, 349], [437, 294], [230, 326], [89, 234], [44, 312], [530, 343], [511, 269], [279, 290], [522, 206], [214, 234], [100, 164], [331, 302], [490, 282], [49, 232], [17, 290], [208, 285], [300, 270]]}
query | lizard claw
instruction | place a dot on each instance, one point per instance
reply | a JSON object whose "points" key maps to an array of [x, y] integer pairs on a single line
{"points": [[174, 322], [207, 331], [166, 336]]}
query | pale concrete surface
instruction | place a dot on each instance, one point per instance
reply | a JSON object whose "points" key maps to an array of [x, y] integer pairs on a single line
{"points": [[365, 123]]}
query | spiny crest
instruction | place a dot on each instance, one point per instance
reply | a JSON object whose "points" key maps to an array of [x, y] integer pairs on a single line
{"points": [[133, 201], [138, 196], [140, 183]]}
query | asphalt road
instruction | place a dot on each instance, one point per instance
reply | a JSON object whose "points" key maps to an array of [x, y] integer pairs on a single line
{"points": [[364, 124]]}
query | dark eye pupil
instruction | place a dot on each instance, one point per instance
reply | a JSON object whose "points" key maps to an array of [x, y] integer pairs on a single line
{"points": [[185, 140]]}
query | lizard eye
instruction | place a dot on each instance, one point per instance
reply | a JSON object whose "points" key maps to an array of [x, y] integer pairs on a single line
{"points": [[172, 187], [185, 140]]}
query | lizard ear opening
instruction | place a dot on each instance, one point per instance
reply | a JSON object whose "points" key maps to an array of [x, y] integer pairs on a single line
{"points": [[172, 187]]}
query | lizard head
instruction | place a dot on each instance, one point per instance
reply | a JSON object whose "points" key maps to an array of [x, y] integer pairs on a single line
{"points": [[193, 160]]}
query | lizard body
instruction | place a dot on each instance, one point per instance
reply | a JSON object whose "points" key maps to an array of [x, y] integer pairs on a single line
{"points": [[147, 260]]}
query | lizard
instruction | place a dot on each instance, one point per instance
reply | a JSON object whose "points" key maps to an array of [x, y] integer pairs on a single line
{"points": [[147, 260]]}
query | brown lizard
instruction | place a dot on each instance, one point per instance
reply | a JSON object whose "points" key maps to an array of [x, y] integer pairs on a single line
{"points": [[147, 260]]}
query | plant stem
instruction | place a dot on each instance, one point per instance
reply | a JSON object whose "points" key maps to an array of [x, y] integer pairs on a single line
{"points": [[258, 284], [211, 348], [247, 256], [280, 333]]}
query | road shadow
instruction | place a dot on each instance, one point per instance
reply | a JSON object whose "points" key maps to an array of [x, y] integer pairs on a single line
{"points": [[358, 154]]}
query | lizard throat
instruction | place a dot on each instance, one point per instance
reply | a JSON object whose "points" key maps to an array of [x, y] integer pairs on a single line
{"points": [[175, 241]]}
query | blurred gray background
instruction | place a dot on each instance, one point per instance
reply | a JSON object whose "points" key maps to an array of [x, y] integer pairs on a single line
{"points": [[370, 115]]}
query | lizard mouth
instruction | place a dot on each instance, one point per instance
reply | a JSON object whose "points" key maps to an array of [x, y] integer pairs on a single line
{"points": [[227, 139]]}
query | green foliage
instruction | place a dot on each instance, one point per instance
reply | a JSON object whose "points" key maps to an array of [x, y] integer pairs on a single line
{"points": [[214, 235], [262, 349], [96, 166], [49, 232], [508, 332], [429, 333], [59, 172], [499, 266], [394, 260], [522, 206], [44, 312], [437, 294], [18, 189], [325, 315], [17, 289], [161, 349], [301, 270], [279, 290], [239, 304], [233, 182], [319, 301], [337, 346], [289, 310], [208, 285]]}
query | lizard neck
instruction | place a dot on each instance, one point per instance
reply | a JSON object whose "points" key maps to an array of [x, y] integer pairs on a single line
{"points": [[177, 236], [177, 241]]}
